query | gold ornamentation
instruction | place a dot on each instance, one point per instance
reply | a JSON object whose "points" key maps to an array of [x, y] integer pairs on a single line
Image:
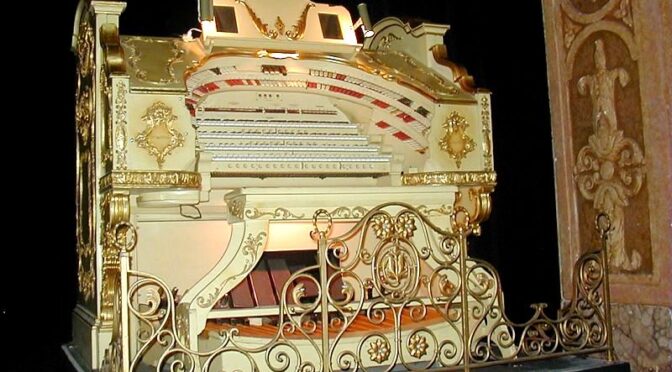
{"points": [[345, 212], [487, 137], [105, 108], [480, 334], [86, 173], [113, 53], [299, 28], [395, 269], [277, 214], [382, 226], [279, 26], [460, 74], [397, 66], [388, 39], [84, 113], [417, 346], [159, 137], [450, 178], [385, 227], [295, 33], [148, 73], [610, 169], [151, 179], [379, 350], [118, 235], [85, 48], [443, 210], [236, 208], [120, 126], [455, 141], [86, 270]]}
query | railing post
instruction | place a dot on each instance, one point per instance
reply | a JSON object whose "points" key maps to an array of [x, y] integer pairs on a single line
{"points": [[463, 226], [321, 236], [125, 341], [603, 225]]}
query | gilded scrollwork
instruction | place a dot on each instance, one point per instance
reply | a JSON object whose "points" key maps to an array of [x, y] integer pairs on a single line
{"points": [[346, 212], [296, 33], [478, 331], [159, 137], [277, 214], [610, 168], [456, 142], [120, 126], [442, 210]]}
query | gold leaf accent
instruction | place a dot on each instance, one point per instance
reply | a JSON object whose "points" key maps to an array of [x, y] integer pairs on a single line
{"points": [[159, 137], [450, 178], [455, 141], [151, 179]]}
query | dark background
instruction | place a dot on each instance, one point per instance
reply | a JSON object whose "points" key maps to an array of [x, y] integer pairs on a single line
{"points": [[500, 42]]}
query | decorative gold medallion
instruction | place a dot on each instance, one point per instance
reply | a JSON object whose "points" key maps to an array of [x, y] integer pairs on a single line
{"points": [[456, 142], [417, 346], [159, 138], [379, 350]]}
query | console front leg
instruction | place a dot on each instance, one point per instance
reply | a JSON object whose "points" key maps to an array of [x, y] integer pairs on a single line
{"points": [[248, 241]]}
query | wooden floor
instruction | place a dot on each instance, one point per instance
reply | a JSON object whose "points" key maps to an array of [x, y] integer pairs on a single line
{"points": [[359, 326]]}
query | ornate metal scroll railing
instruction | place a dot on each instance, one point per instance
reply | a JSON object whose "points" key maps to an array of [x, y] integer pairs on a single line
{"points": [[395, 290]]}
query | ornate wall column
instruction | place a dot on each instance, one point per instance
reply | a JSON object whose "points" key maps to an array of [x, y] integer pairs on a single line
{"points": [[610, 90]]}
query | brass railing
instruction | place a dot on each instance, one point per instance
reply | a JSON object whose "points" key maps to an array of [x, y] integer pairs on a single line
{"points": [[394, 290]]}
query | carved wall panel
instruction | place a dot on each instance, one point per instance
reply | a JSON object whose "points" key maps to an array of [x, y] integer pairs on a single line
{"points": [[610, 98], [610, 170]]}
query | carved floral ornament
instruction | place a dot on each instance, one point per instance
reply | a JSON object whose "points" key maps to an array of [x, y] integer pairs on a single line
{"points": [[456, 142], [610, 169], [159, 137], [574, 21]]}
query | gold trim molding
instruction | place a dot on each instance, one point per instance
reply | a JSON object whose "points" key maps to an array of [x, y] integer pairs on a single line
{"points": [[450, 178], [151, 179]]}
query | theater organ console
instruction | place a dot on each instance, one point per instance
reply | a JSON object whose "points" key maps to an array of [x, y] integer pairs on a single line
{"points": [[276, 194]]}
